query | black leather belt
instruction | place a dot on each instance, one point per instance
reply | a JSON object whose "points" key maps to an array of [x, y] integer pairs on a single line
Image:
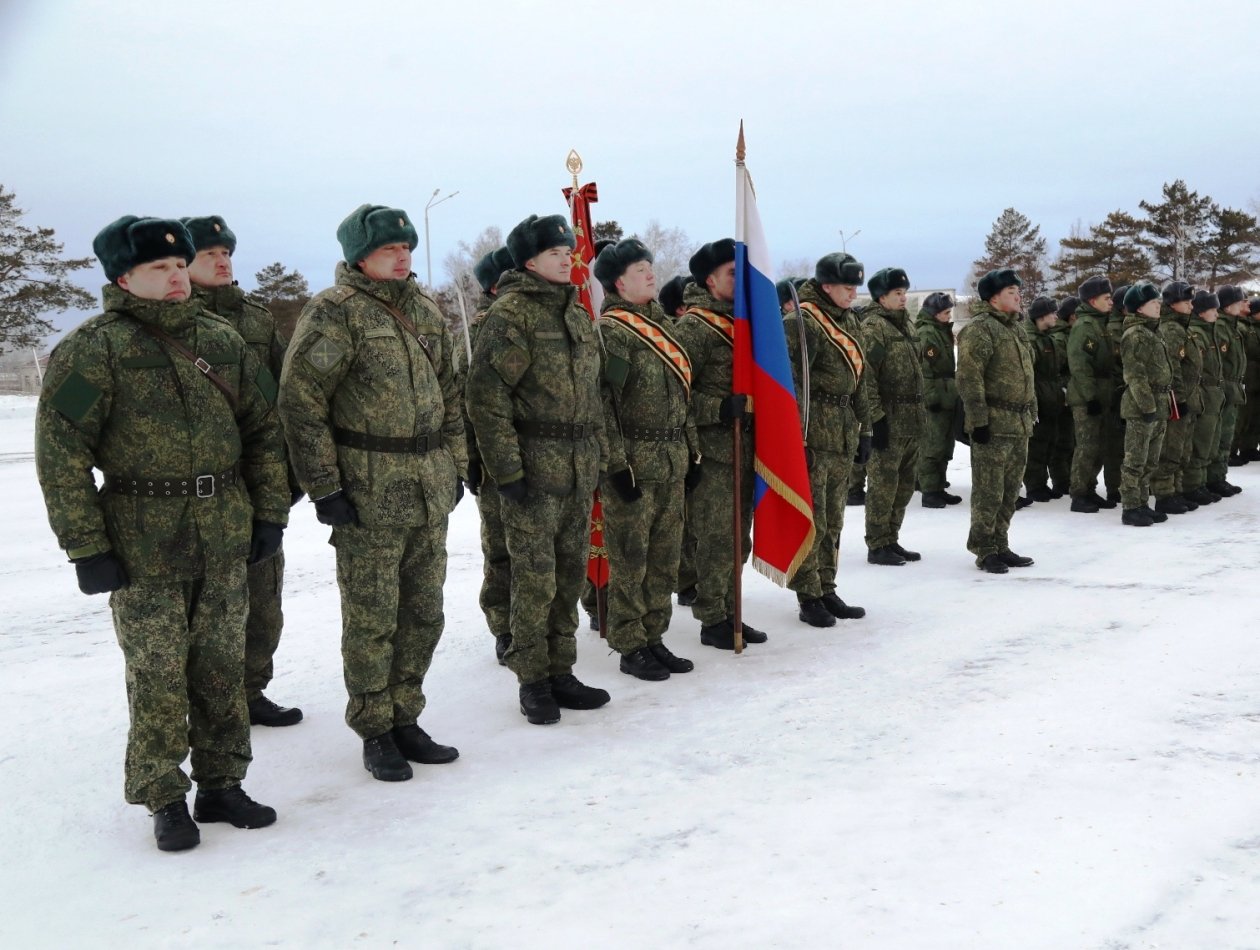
{"points": [[407, 445], [653, 434], [187, 486], [1012, 406], [571, 431], [831, 399], [910, 399]]}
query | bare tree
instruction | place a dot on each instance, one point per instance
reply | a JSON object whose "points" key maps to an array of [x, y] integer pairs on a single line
{"points": [[799, 267], [670, 247]]}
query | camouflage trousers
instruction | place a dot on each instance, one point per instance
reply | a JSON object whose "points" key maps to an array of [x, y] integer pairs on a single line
{"points": [[496, 571], [1046, 435], [391, 620], [1061, 453], [548, 540], [1112, 450], [183, 642], [687, 552], [996, 470], [857, 478], [1174, 457], [266, 620], [1087, 457], [829, 483], [936, 448], [889, 487], [712, 504], [1218, 468], [1204, 446], [1247, 433], [643, 539], [1143, 442]]}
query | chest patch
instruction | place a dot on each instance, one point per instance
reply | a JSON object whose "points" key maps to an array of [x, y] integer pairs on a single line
{"points": [[324, 355]]}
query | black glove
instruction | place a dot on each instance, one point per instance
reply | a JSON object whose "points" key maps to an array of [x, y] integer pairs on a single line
{"points": [[732, 408], [459, 489], [980, 435], [1150, 416], [336, 510], [864, 450], [809, 457], [879, 434], [514, 491], [265, 541], [693, 476], [935, 407], [295, 495], [623, 484], [1093, 408], [1183, 409], [101, 573], [475, 475]]}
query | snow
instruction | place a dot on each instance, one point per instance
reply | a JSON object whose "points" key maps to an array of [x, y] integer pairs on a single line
{"points": [[1061, 757]]}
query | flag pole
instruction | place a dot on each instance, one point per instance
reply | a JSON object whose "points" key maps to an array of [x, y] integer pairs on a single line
{"points": [[737, 426]]}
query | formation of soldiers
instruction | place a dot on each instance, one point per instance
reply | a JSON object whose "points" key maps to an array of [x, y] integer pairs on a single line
{"points": [[208, 427]]}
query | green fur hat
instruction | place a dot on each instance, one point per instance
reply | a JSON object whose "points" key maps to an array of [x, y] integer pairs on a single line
{"points": [[937, 303], [534, 235], [1068, 308], [490, 268], [1177, 291], [1042, 307], [887, 280], [671, 295], [1203, 301], [710, 257], [996, 281], [784, 289], [131, 241], [1093, 287], [838, 268], [1139, 295], [615, 258], [1117, 298], [371, 226], [1228, 295], [210, 231]]}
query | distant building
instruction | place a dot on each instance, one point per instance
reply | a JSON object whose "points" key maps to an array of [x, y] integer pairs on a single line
{"points": [[20, 373]]}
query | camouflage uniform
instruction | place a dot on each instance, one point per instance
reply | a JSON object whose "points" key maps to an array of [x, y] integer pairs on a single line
{"points": [[1051, 406], [533, 398], [936, 353], [839, 412], [370, 410], [1148, 377], [1113, 427], [1060, 462], [1187, 367], [995, 384], [709, 506], [1202, 335], [1247, 436], [1092, 379], [116, 399], [645, 418], [1233, 374], [897, 395]]}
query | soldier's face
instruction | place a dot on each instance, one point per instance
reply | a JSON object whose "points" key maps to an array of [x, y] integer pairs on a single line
{"points": [[554, 265], [1181, 306], [164, 279], [1046, 322], [945, 315], [721, 283], [1150, 309], [842, 295], [211, 267], [1007, 300], [1235, 309], [894, 299], [1210, 315], [1102, 303], [388, 262], [638, 283]]}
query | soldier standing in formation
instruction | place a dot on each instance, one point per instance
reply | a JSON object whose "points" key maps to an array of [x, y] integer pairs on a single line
{"points": [[1091, 385], [1145, 405], [1065, 441], [935, 331], [370, 403], [533, 398], [892, 360], [651, 460], [195, 487], [1247, 435], [839, 425], [1051, 399], [214, 288], [995, 384], [1233, 370], [1168, 482], [1201, 335]]}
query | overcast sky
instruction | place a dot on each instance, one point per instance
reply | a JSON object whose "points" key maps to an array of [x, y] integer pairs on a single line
{"points": [[914, 123]]}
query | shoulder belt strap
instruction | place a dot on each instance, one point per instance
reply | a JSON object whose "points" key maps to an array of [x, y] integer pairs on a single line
{"points": [[403, 321], [847, 344], [218, 381], [719, 323], [659, 342]]}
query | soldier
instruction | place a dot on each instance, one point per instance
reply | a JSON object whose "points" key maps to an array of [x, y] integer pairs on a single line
{"points": [[1051, 400], [1233, 374], [896, 415], [1145, 406], [1168, 482], [652, 460], [707, 333], [1201, 335], [1247, 437], [671, 296], [533, 398], [995, 384], [1113, 425], [935, 331], [839, 426], [1091, 385], [370, 403], [496, 579], [1065, 442], [214, 288], [195, 487]]}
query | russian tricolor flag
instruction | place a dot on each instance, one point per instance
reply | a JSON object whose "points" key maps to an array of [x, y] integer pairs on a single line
{"points": [[783, 508]]}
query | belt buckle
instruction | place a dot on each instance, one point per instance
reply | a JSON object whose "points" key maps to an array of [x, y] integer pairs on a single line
{"points": [[422, 444], [207, 480], [675, 434], [579, 430]]}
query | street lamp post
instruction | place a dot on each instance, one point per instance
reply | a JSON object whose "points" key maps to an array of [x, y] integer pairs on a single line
{"points": [[844, 242], [434, 201]]}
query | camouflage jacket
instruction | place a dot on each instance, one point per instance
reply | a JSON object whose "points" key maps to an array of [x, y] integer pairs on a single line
{"points": [[1091, 362], [117, 399], [641, 392], [1233, 360], [1203, 337], [1250, 332], [936, 355], [1059, 334], [251, 320], [892, 360], [1186, 360], [711, 375], [1114, 327], [536, 361], [1047, 380], [830, 372], [995, 373], [353, 371], [1148, 370], [474, 326]]}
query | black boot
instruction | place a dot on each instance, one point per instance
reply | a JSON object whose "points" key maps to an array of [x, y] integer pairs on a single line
{"points": [[1057, 492], [415, 744], [263, 712], [687, 596], [1011, 559], [1158, 517], [1236, 459], [908, 555], [594, 622], [1136, 518], [643, 664], [174, 828], [502, 642], [751, 634], [934, 499], [675, 664], [720, 635], [1171, 505], [840, 609], [993, 564], [886, 556], [856, 497], [233, 806], [537, 703], [1113, 497], [1102, 502], [571, 693], [1085, 504], [1220, 487], [815, 614], [1040, 493], [382, 758], [951, 499], [1023, 501], [1201, 496]]}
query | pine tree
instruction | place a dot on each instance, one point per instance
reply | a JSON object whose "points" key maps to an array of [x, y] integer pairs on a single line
{"points": [[606, 231], [1230, 246], [284, 293], [1113, 248], [1175, 232], [1014, 242]]}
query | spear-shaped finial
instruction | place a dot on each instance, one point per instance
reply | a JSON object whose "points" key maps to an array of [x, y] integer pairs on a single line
{"points": [[739, 145], [574, 164]]}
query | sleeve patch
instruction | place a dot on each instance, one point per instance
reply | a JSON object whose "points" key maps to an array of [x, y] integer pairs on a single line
{"points": [[616, 370], [324, 354], [266, 384], [511, 364], [75, 397]]}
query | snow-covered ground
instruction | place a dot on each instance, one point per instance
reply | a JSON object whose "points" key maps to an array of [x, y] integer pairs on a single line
{"points": [[1062, 757]]}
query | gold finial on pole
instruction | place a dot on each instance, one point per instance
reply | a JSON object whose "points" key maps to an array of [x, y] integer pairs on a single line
{"points": [[574, 164], [739, 145]]}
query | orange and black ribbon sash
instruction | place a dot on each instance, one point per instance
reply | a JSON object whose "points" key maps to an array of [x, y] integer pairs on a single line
{"points": [[843, 341], [720, 324], [659, 341]]}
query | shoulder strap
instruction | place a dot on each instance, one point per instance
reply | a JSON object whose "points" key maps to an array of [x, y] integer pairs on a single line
{"points": [[405, 322], [218, 381], [847, 344]]}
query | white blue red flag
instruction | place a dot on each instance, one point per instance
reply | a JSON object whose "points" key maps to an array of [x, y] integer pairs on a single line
{"points": [[783, 509]]}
